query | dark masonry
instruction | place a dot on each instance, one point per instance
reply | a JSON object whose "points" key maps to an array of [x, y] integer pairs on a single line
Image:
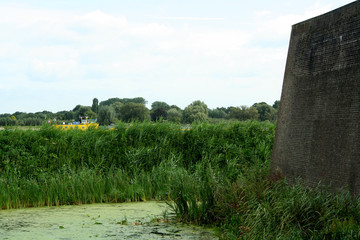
{"points": [[318, 135]]}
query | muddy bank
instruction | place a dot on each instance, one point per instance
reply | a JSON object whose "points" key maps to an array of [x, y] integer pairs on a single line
{"points": [[143, 220]]}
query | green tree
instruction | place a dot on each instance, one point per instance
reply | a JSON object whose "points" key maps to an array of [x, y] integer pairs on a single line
{"points": [[106, 115], [10, 121], [226, 110], [76, 108], [5, 115], [135, 100], [196, 111], [110, 101], [236, 113], [266, 112], [65, 115], [159, 104], [117, 109], [95, 105], [276, 104], [174, 115], [272, 115], [30, 121], [159, 110], [176, 107], [217, 113], [84, 111], [134, 111], [252, 113], [243, 113], [158, 113]]}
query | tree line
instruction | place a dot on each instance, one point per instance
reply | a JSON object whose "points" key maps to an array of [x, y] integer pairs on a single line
{"points": [[134, 109]]}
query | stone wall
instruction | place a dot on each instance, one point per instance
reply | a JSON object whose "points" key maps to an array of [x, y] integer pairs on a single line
{"points": [[318, 133]]}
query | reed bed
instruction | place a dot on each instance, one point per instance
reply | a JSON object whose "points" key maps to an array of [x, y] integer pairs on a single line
{"points": [[214, 174]]}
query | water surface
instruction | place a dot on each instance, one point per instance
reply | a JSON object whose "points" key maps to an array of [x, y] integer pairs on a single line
{"points": [[142, 220]]}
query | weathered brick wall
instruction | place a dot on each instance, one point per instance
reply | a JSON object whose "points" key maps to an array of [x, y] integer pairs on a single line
{"points": [[318, 135]]}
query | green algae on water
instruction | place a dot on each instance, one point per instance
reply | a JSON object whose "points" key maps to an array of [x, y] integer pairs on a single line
{"points": [[96, 221]]}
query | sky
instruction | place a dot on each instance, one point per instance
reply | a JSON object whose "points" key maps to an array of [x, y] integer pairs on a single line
{"points": [[60, 53]]}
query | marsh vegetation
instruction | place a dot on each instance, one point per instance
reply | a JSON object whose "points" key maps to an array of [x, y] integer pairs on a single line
{"points": [[211, 174]]}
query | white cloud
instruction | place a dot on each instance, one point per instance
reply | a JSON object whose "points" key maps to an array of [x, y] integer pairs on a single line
{"points": [[106, 54], [218, 42], [188, 18], [270, 26], [317, 9], [99, 19], [50, 71], [262, 14]]}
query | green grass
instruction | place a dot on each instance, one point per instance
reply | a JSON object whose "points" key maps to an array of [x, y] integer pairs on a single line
{"points": [[212, 174]]}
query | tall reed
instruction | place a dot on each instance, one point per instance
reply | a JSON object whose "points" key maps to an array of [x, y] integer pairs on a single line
{"points": [[210, 173]]}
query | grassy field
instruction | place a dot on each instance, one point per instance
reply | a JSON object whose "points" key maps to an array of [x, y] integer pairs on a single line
{"points": [[214, 174]]}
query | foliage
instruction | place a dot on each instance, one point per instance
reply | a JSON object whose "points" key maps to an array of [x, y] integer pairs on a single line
{"points": [[158, 113], [266, 112], [76, 108], [106, 115], [217, 113], [117, 109], [174, 115], [175, 107], [196, 111], [7, 121], [244, 113], [95, 105], [261, 208], [276, 104], [134, 112], [32, 159], [84, 111], [65, 115], [123, 100], [158, 104]]}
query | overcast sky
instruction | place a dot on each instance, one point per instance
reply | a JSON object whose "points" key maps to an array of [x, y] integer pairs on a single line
{"points": [[60, 53]]}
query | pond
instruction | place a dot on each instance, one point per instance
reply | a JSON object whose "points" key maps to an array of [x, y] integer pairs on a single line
{"points": [[141, 220]]}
